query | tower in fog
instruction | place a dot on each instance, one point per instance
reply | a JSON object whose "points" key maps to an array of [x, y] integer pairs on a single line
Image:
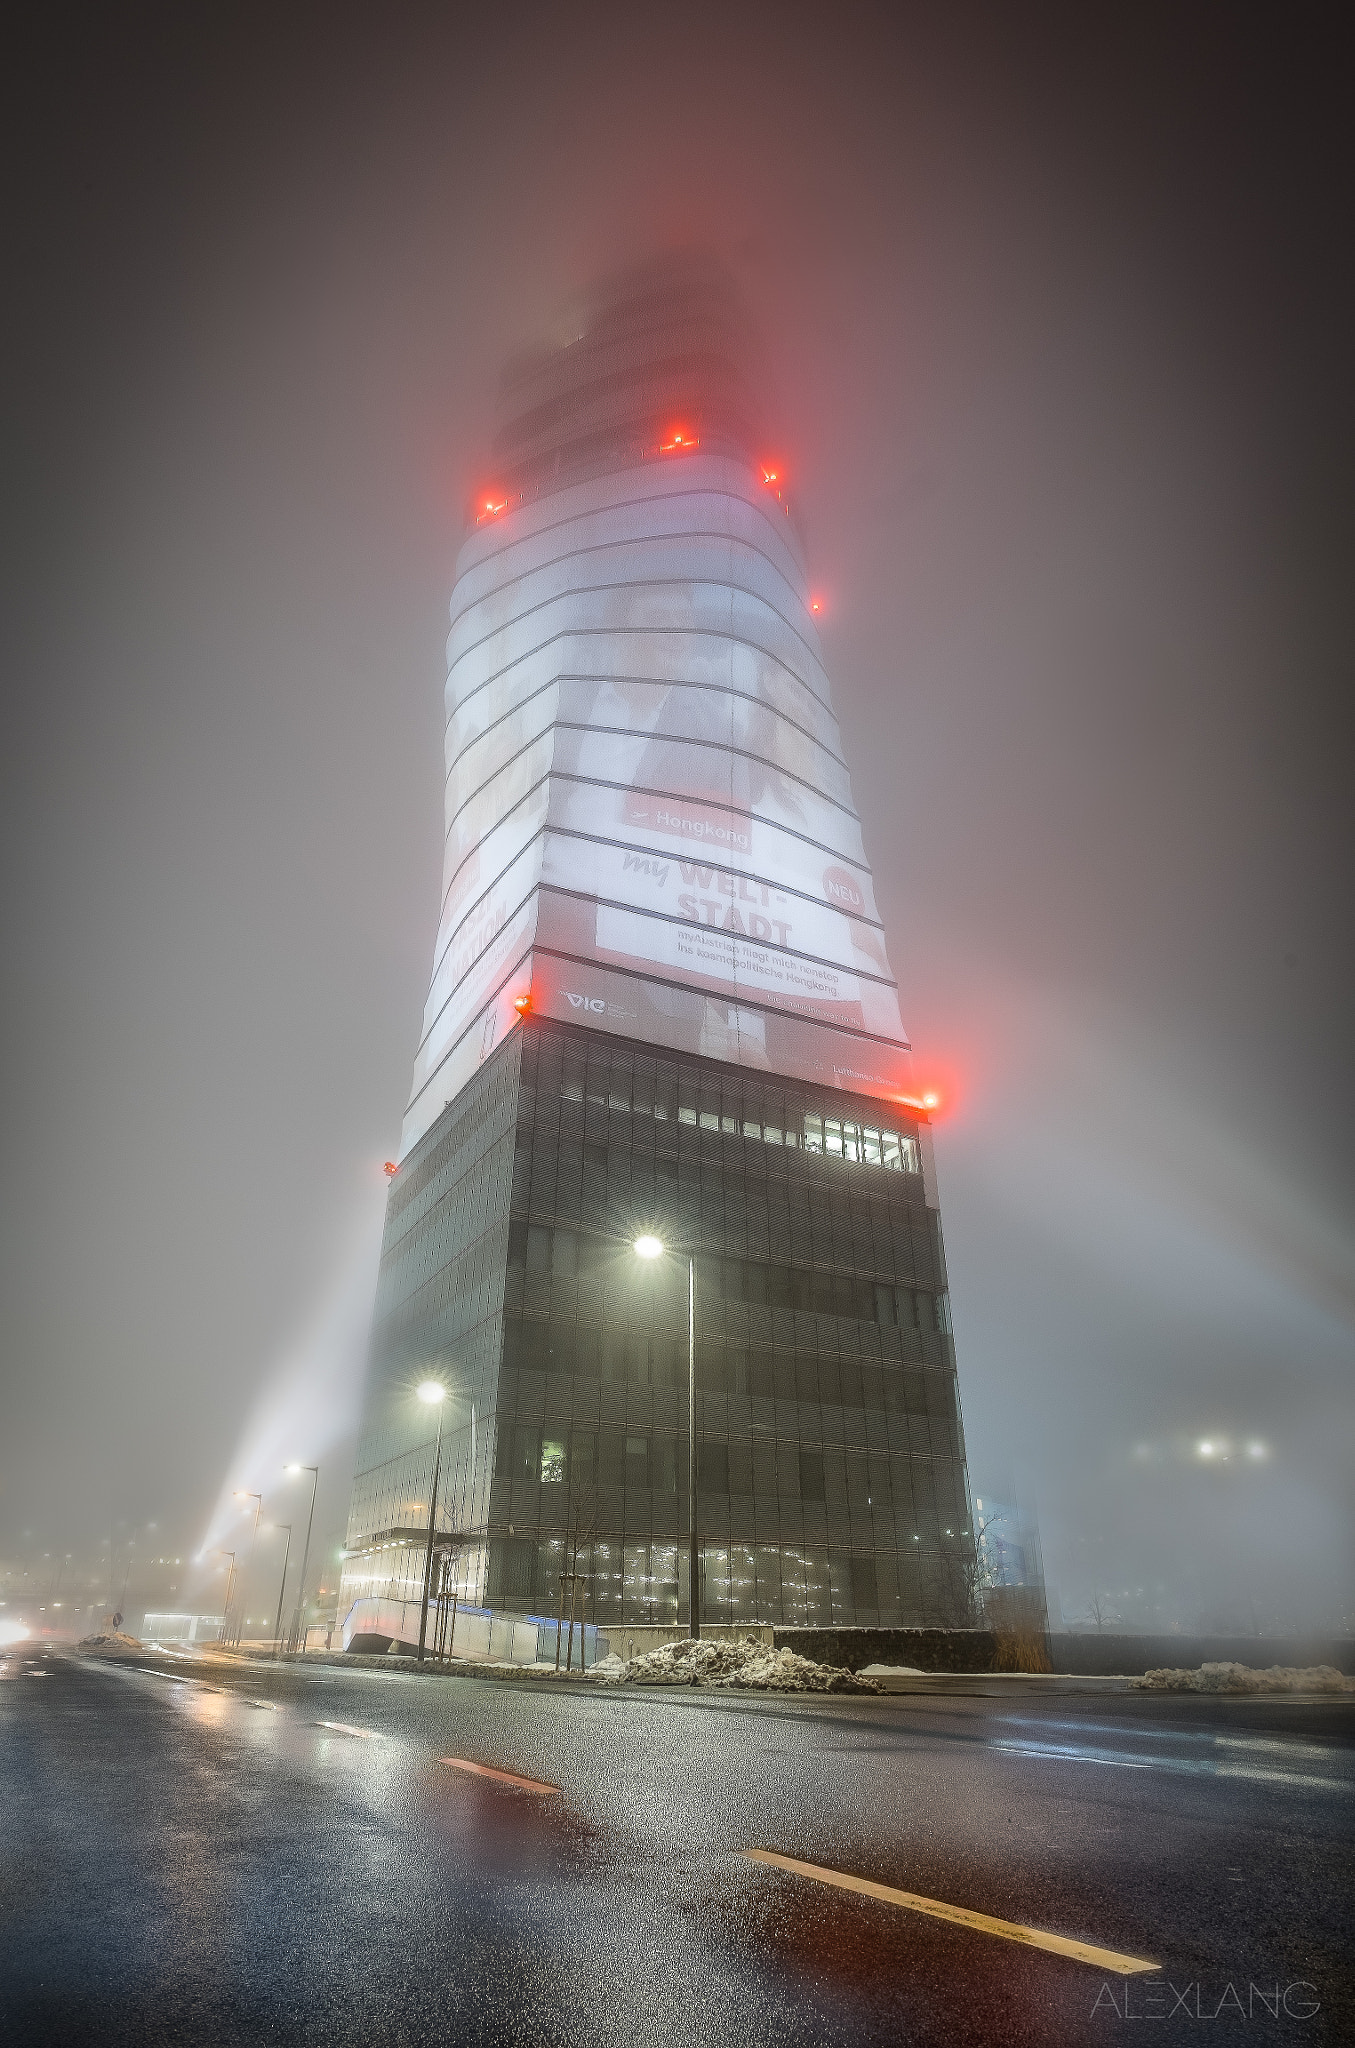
{"points": [[660, 1001]]}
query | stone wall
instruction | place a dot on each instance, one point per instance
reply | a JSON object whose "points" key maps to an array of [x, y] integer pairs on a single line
{"points": [[1090, 1655]]}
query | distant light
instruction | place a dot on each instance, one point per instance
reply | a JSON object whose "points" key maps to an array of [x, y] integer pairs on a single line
{"points": [[1206, 1450], [390, 1169], [648, 1248], [13, 1632], [431, 1391], [293, 1469], [931, 1101], [1258, 1450], [680, 441], [490, 508], [814, 605], [522, 1004]]}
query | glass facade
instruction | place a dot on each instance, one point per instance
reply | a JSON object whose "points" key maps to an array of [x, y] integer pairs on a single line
{"points": [[661, 1002], [831, 1481]]}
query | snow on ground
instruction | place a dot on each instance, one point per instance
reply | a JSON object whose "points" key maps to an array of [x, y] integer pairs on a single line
{"points": [[1241, 1678], [107, 1644], [749, 1665], [609, 1667]]}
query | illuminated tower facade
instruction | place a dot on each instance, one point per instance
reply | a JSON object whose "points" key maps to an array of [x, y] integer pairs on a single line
{"points": [[661, 1001]]}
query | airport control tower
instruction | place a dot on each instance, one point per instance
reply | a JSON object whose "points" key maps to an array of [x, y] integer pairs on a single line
{"points": [[662, 1005]]}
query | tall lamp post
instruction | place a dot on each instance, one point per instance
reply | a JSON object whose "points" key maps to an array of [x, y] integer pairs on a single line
{"points": [[286, 1559], [435, 1394], [257, 1498], [653, 1248], [230, 1587], [314, 1470]]}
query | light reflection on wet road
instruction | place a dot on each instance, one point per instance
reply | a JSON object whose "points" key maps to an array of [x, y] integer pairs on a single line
{"points": [[182, 1867]]}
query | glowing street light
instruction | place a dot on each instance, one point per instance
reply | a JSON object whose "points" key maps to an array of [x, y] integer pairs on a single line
{"points": [[649, 1247], [433, 1394], [226, 1603], [286, 1559], [292, 1472], [257, 1498]]}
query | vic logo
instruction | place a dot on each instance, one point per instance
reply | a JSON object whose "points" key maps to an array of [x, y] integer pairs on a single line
{"points": [[585, 1002]]}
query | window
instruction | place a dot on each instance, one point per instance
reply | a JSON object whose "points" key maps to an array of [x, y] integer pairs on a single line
{"points": [[583, 1451], [552, 1461], [811, 1475], [564, 1256], [713, 1467], [861, 1143], [637, 1461], [538, 1249], [865, 1594], [611, 1458]]}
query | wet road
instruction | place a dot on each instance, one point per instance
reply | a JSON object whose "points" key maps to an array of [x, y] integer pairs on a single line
{"points": [[202, 1853]]}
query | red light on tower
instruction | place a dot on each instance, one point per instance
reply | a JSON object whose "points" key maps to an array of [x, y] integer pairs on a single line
{"points": [[522, 1004], [490, 506], [678, 441], [927, 1103], [390, 1169], [815, 605]]}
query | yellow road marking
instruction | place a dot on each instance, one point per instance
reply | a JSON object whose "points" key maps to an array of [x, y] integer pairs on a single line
{"points": [[1010, 1930], [460, 1763]]}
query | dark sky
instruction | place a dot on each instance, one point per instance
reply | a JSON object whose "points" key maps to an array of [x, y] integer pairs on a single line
{"points": [[1058, 306]]}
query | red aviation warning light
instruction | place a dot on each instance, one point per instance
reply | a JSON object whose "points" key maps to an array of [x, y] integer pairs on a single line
{"points": [[816, 605], [678, 441], [390, 1169], [522, 1004], [774, 480], [490, 506]]}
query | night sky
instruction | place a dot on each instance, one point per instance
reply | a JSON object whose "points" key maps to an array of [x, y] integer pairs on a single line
{"points": [[1058, 307]]}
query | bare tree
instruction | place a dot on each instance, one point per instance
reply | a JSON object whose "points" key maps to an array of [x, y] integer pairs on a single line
{"points": [[1099, 1612], [580, 1527]]}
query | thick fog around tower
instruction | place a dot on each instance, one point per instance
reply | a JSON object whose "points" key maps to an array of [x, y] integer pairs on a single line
{"points": [[1056, 334]]}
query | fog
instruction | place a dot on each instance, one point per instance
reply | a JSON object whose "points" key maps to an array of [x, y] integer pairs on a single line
{"points": [[1058, 313]]}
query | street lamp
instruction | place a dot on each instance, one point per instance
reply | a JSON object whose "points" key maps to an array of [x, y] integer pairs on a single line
{"points": [[257, 1498], [434, 1394], [230, 1585], [286, 1558], [653, 1248], [314, 1470]]}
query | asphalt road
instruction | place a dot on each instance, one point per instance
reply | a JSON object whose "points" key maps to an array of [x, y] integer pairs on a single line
{"points": [[199, 1853]]}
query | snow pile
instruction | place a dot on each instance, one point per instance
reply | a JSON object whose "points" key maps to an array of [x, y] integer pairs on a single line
{"points": [[749, 1665], [1241, 1678], [110, 1644], [893, 1671], [609, 1667]]}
